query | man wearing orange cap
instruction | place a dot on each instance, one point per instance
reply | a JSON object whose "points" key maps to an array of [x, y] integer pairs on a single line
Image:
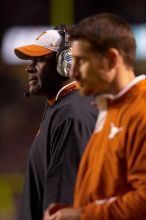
{"points": [[65, 129]]}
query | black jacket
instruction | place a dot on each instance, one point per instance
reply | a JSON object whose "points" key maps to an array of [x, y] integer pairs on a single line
{"points": [[55, 154]]}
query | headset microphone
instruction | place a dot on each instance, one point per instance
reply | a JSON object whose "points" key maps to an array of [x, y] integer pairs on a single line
{"points": [[27, 94]]}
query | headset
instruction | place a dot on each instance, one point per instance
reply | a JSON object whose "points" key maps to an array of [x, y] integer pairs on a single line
{"points": [[64, 55]]}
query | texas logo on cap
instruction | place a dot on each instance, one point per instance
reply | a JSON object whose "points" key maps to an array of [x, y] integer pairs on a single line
{"points": [[47, 42]]}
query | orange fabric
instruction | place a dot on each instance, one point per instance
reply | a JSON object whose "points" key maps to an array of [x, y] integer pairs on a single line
{"points": [[68, 88], [25, 52], [51, 101], [116, 167]]}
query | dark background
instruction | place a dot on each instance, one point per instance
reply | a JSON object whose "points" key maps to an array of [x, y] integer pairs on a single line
{"points": [[20, 116], [12, 82], [36, 12]]}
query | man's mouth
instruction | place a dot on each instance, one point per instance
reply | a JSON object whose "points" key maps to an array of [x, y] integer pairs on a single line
{"points": [[32, 80]]}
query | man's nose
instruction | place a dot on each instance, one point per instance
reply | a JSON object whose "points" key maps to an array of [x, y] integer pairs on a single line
{"points": [[31, 68]]}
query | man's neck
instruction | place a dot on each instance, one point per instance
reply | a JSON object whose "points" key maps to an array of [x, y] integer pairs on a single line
{"points": [[68, 87]]}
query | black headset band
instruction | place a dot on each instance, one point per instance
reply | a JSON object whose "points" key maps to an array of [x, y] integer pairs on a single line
{"points": [[65, 38]]}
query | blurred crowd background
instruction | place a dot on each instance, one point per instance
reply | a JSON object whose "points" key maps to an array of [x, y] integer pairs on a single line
{"points": [[20, 116]]}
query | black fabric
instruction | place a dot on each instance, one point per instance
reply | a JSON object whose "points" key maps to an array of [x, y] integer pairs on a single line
{"points": [[55, 154]]}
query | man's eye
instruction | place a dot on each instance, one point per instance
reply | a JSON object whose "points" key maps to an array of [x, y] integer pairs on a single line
{"points": [[43, 59], [39, 59]]}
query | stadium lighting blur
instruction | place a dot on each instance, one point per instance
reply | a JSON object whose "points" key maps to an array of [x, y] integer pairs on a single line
{"points": [[18, 36], [140, 35], [15, 37]]}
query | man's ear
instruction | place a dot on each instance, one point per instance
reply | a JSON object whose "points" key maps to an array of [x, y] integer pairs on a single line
{"points": [[112, 55]]}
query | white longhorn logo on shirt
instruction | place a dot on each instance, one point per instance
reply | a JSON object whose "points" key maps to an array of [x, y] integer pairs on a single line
{"points": [[114, 130]]}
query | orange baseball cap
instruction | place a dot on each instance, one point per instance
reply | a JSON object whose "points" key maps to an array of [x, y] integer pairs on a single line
{"points": [[45, 43]]}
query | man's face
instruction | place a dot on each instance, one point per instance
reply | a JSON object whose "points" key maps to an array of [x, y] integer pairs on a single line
{"points": [[41, 75], [91, 69]]}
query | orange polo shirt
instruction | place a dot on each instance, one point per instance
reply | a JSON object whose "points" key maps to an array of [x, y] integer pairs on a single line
{"points": [[111, 183]]}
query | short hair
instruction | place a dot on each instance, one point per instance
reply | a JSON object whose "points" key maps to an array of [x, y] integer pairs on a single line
{"points": [[105, 31]]}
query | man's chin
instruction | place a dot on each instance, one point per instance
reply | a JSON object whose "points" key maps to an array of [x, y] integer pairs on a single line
{"points": [[34, 91]]}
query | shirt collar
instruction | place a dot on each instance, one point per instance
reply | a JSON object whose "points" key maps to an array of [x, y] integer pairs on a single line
{"points": [[63, 91], [101, 100]]}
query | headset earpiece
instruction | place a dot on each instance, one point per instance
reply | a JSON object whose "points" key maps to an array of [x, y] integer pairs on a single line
{"points": [[63, 56], [64, 62]]}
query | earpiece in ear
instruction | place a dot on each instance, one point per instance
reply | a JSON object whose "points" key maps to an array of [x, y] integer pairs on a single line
{"points": [[64, 62]]}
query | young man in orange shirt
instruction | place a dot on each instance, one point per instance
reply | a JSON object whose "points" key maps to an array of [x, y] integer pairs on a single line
{"points": [[111, 182]]}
